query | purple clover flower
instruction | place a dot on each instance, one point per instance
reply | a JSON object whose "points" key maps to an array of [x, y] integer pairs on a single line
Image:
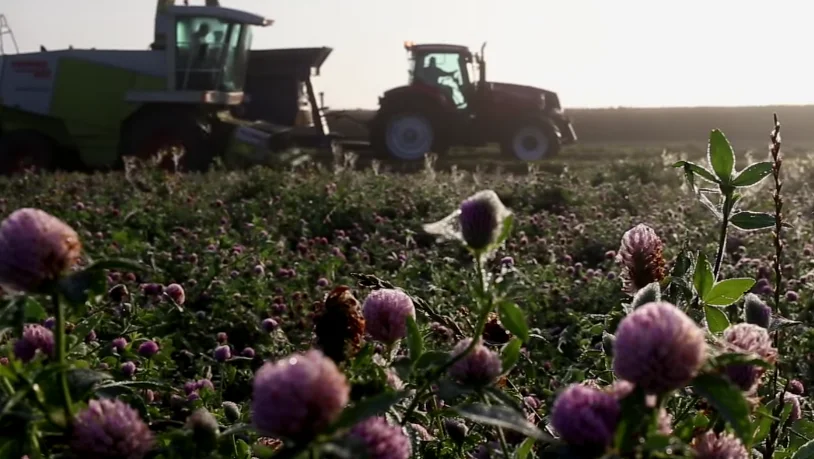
{"points": [[297, 396], [386, 312], [108, 429], [148, 349]]}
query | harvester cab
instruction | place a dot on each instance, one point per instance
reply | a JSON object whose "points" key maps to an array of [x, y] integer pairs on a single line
{"points": [[206, 52], [448, 102], [94, 108]]}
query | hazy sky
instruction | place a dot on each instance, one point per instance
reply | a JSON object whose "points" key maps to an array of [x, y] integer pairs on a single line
{"points": [[595, 53]]}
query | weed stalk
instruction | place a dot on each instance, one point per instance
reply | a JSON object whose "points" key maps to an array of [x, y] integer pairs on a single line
{"points": [[777, 161]]}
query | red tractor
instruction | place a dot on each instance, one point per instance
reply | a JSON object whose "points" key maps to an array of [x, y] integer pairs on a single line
{"points": [[442, 107]]}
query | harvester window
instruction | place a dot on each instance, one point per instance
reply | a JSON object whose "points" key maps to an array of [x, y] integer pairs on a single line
{"points": [[209, 55]]}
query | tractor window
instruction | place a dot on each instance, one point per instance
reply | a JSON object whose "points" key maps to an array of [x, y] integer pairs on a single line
{"points": [[446, 70], [209, 55]]}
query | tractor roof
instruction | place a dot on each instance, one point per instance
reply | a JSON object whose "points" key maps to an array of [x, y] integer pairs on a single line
{"points": [[439, 48], [217, 12]]}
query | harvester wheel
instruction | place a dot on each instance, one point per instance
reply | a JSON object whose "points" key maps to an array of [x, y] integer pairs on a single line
{"points": [[25, 149], [532, 141], [406, 135], [180, 142]]}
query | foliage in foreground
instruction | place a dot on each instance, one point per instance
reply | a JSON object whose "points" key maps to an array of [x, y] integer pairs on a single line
{"points": [[172, 321]]}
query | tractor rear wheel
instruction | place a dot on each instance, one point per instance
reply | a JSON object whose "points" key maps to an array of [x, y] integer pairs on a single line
{"points": [[180, 141], [532, 141], [406, 135], [25, 149]]}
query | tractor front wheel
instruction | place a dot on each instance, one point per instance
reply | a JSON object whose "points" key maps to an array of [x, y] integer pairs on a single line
{"points": [[406, 136], [25, 150], [533, 141], [180, 142]]}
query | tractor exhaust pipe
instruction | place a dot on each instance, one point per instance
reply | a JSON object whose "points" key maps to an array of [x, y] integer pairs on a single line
{"points": [[482, 63]]}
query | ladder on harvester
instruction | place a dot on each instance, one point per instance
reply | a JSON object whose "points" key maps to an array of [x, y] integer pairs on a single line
{"points": [[5, 30]]}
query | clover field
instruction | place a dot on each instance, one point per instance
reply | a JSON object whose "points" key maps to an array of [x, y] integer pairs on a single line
{"points": [[225, 271]]}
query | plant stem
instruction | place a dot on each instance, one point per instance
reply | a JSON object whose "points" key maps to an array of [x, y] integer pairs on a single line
{"points": [[503, 446], [485, 309], [34, 443], [777, 161], [59, 338], [719, 257], [8, 387], [440, 371]]}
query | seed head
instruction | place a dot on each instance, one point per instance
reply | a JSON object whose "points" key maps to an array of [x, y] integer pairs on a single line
{"points": [[35, 247], [658, 348]]}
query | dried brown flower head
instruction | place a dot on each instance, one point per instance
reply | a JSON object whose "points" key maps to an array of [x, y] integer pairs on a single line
{"points": [[641, 257], [494, 331], [339, 325]]}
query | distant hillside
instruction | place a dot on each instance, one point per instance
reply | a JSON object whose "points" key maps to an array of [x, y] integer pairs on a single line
{"points": [[745, 126]]}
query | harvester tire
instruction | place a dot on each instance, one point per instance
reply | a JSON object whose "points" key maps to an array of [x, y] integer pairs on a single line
{"points": [[149, 136], [530, 141], [25, 149]]}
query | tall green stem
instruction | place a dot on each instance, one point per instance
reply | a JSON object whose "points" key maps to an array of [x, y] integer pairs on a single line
{"points": [[485, 309], [59, 338], [719, 257]]}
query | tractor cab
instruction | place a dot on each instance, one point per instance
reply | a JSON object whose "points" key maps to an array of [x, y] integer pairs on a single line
{"points": [[206, 51], [448, 68]]}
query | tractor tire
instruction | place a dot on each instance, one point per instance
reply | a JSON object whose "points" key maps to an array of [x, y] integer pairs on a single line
{"points": [[406, 135], [147, 137], [26, 149], [531, 141]]}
